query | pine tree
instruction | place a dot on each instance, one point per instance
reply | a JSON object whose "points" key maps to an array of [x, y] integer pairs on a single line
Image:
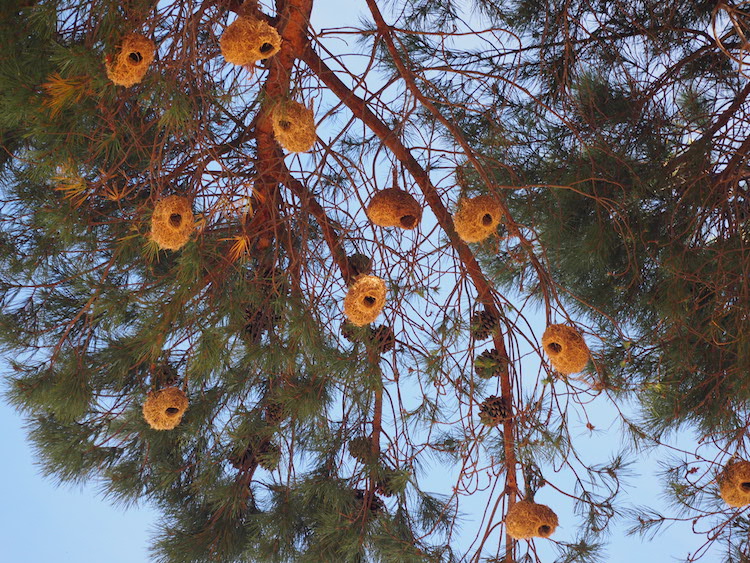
{"points": [[173, 220]]}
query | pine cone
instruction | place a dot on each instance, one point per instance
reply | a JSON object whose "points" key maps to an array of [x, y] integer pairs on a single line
{"points": [[494, 410], [490, 363], [350, 331], [483, 324], [359, 264], [360, 448], [269, 456], [384, 486], [376, 503], [383, 337], [273, 413], [259, 322]]}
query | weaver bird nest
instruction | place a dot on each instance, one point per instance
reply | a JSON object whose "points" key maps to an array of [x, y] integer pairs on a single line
{"points": [[477, 217], [566, 349], [164, 408], [365, 300], [394, 208], [527, 519], [248, 40], [294, 126], [172, 222], [131, 61], [734, 483]]}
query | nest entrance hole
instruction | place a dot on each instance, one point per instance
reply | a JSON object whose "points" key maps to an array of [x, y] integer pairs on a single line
{"points": [[266, 48], [408, 221], [172, 411], [487, 220], [544, 530], [135, 56], [554, 347], [745, 486], [369, 301], [175, 219], [284, 124]]}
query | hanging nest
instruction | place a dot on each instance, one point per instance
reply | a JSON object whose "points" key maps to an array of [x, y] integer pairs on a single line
{"points": [[359, 264], [360, 448], [477, 217], [527, 519], [394, 208], [494, 410], [294, 126], [734, 483], [566, 349], [248, 40], [163, 409], [365, 300], [172, 222], [490, 363], [131, 61], [483, 324]]}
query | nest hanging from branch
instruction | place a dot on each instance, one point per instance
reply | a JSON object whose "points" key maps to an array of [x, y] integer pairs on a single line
{"points": [[164, 408], [394, 208], [294, 126], [248, 40], [365, 300], [734, 483], [172, 222], [131, 61], [527, 519], [477, 217], [566, 349]]}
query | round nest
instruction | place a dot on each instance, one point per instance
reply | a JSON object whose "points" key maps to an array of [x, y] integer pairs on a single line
{"points": [[566, 349], [527, 519], [163, 409], [248, 40], [734, 483], [394, 208], [477, 217], [294, 126], [131, 61], [365, 300], [172, 222]]}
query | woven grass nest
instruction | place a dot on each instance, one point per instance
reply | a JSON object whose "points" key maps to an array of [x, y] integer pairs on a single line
{"points": [[172, 222], [566, 348], [164, 408], [248, 40], [393, 207], [477, 217], [131, 61], [734, 483], [294, 126], [365, 300], [527, 519]]}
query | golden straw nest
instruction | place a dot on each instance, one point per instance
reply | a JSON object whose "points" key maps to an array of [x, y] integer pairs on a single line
{"points": [[734, 483], [131, 61], [163, 409], [477, 217], [566, 348], [394, 208], [172, 222], [365, 300], [527, 519], [294, 126], [248, 40]]}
